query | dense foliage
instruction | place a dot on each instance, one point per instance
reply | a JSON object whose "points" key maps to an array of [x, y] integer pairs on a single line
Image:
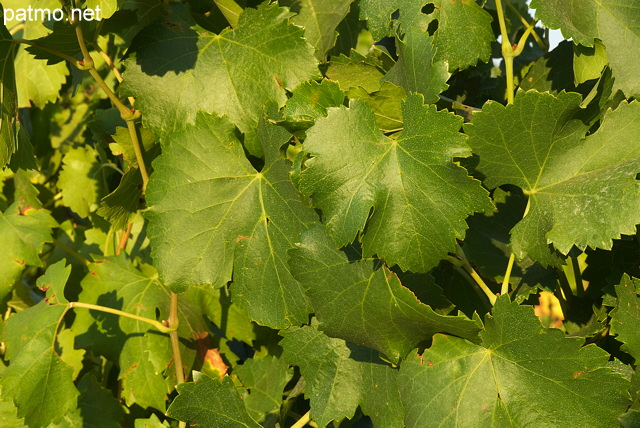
{"points": [[334, 212]]}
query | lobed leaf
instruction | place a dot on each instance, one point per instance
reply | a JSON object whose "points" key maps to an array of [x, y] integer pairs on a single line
{"points": [[420, 198], [341, 376], [223, 216], [368, 306], [582, 191], [521, 375]]}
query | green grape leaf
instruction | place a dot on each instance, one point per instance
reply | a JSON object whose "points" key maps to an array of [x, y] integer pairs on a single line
{"points": [[179, 70], [351, 296], [341, 376], [144, 355], [62, 39], [417, 70], [37, 380], [416, 217], [23, 231], [357, 70], [464, 33], [39, 83], [582, 191], [386, 104], [9, 416], [9, 100], [264, 380], [378, 14], [53, 283], [103, 8], [320, 18], [120, 205], [310, 101], [123, 145], [97, 408], [82, 180], [210, 403], [625, 318], [521, 375], [617, 24], [589, 62], [250, 219]]}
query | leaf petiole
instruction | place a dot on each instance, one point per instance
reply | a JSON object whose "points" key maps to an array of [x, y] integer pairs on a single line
{"points": [[303, 420], [156, 324]]}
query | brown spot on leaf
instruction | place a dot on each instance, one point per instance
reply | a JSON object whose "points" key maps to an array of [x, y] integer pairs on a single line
{"points": [[242, 237]]}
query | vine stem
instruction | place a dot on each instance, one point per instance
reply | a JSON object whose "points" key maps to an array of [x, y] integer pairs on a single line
{"points": [[537, 38], [174, 323], [461, 261], [512, 258], [303, 420], [127, 114], [156, 324]]}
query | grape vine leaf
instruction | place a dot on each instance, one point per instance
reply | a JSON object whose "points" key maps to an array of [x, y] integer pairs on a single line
{"points": [[617, 24], [37, 380], [9, 95], [386, 104], [416, 218], [82, 180], [341, 376], [350, 297], [378, 14], [265, 379], [53, 282], [210, 403], [39, 83], [24, 231], [107, 7], [589, 62], [625, 318], [582, 191], [320, 18], [417, 70], [309, 101], [143, 355], [97, 407], [224, 217], [353, 72], [120, 205], [521, 375], [178, 70], [464, 33]]}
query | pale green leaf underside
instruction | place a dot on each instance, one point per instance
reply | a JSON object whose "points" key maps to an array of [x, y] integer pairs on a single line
{"points": [[366, 306], [582, 192], [213, 209], [180, 70], [420, 198], [522, 375]]}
